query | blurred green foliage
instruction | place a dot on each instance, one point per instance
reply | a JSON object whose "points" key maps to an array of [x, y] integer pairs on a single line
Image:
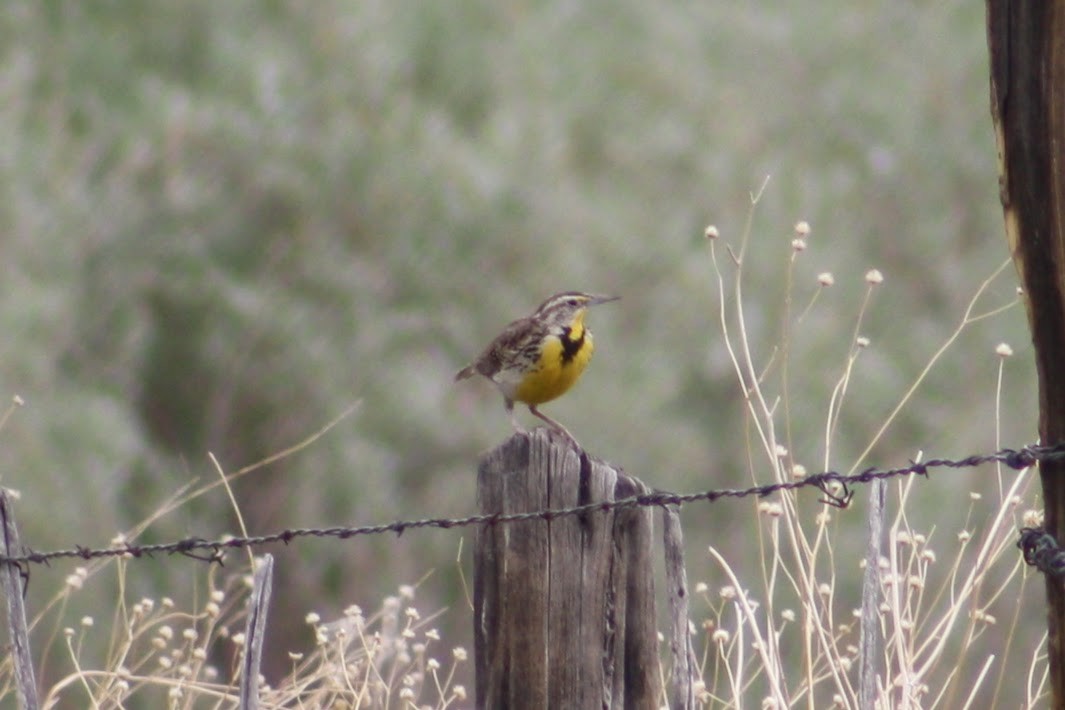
{"points": [[223, 223]]}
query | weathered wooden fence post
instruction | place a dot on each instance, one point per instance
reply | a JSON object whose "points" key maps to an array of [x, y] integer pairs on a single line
{"points": [[564, 609], [14, 586], [255, 633]]}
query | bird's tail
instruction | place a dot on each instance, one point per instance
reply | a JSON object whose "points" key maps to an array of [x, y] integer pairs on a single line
{"points": [[468, 371]]}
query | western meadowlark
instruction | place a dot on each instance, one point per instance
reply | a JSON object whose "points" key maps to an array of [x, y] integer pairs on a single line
{"points": [[538, 358]]}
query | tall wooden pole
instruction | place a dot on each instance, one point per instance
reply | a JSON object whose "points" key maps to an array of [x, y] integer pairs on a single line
{"points": [[1026, 39]]}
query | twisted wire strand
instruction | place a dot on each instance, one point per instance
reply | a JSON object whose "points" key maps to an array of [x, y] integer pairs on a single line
{"points": [[834, 486]]}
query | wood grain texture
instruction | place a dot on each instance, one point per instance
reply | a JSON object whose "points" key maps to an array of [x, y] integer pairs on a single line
{"points": [[1027, 60], [14, 587], [683, 662], [564, 608], [255, 633]]}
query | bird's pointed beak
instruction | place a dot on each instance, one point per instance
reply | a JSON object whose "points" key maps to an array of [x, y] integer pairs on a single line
{"points": [[596, 300]]}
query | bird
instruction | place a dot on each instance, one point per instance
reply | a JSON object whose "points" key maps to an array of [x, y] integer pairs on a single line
{"points": [[541, 356]]}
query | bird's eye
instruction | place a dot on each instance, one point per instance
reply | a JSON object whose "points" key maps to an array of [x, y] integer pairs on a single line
{"points": [[573, 302]]}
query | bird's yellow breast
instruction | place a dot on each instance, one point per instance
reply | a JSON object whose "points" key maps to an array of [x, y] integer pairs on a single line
{"points": [[562, 361]]}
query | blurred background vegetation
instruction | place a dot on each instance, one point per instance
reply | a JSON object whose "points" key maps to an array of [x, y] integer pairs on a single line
{"points": [[223, 223]]}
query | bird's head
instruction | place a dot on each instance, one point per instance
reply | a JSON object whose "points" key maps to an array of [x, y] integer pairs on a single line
{"points": [[564, 309]]}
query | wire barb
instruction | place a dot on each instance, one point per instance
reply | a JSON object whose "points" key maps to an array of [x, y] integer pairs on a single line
{"points": [[839, 500], [1019, 460], [1041, 550]]}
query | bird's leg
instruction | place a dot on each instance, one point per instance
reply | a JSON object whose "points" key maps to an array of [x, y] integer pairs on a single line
{"points": [[513, 417], [553, 424]]}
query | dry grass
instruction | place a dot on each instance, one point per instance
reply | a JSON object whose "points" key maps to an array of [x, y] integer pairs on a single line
{"points": [[786, 631], [160, 655]]}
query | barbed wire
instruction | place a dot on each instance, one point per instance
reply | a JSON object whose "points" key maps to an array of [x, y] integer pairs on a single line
{"points": [[833, 485], [1042, 551]]}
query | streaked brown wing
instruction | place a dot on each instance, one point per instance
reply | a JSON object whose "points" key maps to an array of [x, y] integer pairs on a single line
{"points": [[512, 340]]}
